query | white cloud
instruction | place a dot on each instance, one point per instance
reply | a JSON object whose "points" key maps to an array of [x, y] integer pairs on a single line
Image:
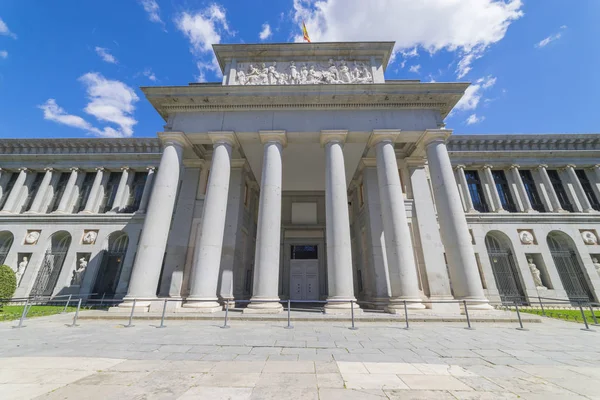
{"points": [[109, 102], [266, 32], [149, 74], [203, 29], [551, 38], [474, 119], [467, 27], [105, 55], [473, 94], [5, 31], [415, 68], [3, 53], [153, 10]]}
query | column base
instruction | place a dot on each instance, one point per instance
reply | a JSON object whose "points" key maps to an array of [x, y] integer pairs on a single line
{"points": [[532, 211], [481, 304], [141, 305], [209, 305], [396, 305], [264, 306], [341, 306]]}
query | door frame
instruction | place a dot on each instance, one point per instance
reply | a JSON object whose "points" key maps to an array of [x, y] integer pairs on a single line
{"points": [[287, 244]]}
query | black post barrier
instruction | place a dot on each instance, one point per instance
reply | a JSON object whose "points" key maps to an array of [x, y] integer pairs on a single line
{"points": [[129, 325], [542, 306], [162, 318], [520, 328], [467, 315], [102, 299], [67, 305], [76, 315], [225, 326], [593, 315], [353, 328], [587, 328], [23, 315], [289, 325], [406, 314]]}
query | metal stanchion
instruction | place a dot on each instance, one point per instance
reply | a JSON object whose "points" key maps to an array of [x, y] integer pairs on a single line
{"points": [[593, 315], [289, 325], [520, 328], [587, 328], [467, 315], [162, 318], [129, 325], [406, 314], [102, 299], [353, 328], [225, 326], [23, 315], [76, 315], [542, 306], [67, 305]]}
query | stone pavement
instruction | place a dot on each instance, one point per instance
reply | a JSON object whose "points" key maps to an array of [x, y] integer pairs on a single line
{"points": [[315, 360]]}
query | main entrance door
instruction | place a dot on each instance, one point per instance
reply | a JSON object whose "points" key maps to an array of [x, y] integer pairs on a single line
{"points": [[304, 273]]}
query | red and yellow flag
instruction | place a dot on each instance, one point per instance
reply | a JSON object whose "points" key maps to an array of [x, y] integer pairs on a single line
{"points": [[305, 32]]}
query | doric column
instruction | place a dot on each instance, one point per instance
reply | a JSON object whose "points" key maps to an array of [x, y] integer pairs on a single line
{"points": [[554, 202], [41, 191], [147, 189], [462, 180], [583, 200], [487, 171], [339, 250], [516, 176], [464, 273], [209, 244], [151, 248], [68, 192], [398, 242], [90, 206], [268, 233], [118, 201], [15, 193]]}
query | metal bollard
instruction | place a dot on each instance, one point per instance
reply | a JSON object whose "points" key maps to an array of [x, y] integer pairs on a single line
{"points": [[406, 314], [102, 299], [542, 306], [353, 328], [67, 305], [587, 328], [289, 325], [76, 315], [467, 315], [23, 315], [520, 328], [129, 325], [593, 315], [162, 318], [225, 326]]}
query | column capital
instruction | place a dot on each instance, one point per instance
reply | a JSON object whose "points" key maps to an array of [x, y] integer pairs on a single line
{"points": [[125, 169], [597, 166], [74, 169], [333, 136], [383, 135], [542, 166], [23, 169], [220, 137], [460, 166], [151, 169], [573, 166], [436, 136], [48, 169], [273, 136], [173, 139], [100, 169], [515, 166], [487, 166]]}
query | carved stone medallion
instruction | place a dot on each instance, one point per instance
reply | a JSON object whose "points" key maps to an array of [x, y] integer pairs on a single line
{"points": [[32, 237], [589, 237], [526, 237], [89, 236]]}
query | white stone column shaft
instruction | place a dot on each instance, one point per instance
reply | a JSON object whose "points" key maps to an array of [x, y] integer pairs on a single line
{"points": [[118, 200], [466, 194], [554, 202], [41, 192], [496, 203], [514, 170], [151, 248], [464, 273], [398, 242], [583, 199], [209, 246], [65, 200], [90, 205], [147, 190], [339, 250], [268, 234], [15, 193]]}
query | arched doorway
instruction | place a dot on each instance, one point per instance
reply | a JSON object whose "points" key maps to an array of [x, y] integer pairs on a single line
{"points": [[6, 241], [111, 265], [569, 268], [504, 268], [52, 264]]}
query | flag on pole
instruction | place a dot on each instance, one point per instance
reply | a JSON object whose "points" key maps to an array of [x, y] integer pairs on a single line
{"points": [[305, 32]]}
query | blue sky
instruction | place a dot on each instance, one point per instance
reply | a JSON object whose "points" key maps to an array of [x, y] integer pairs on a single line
{"points": [[73, 68]]}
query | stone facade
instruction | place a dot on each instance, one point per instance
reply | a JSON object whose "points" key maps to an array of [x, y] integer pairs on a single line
{"points": [[332, 191]]}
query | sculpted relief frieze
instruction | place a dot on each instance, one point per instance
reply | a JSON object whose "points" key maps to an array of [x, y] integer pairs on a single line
{"points": [[288, 73]]}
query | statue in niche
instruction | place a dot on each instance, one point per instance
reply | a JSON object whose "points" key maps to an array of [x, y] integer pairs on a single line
{"points": [[21, 269], [79, 271], [535, 272], [596, 265]]}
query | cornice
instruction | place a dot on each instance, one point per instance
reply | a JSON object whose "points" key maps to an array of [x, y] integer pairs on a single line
{"points": [[523, 143], [71, 218], [533, 218], [35, 147]]}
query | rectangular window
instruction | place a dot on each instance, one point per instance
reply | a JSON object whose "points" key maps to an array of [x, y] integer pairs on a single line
{"points": [[37, 181], [137, 190], [504, 191], [587, 188], [84, 192], [476, 191], [531, 189], [9, 185], [560, 191], [304, 252], [110, 192], [60, 190]]}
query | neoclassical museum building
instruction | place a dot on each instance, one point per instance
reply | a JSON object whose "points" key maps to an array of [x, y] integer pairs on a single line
{"points": [[304, 175]]}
